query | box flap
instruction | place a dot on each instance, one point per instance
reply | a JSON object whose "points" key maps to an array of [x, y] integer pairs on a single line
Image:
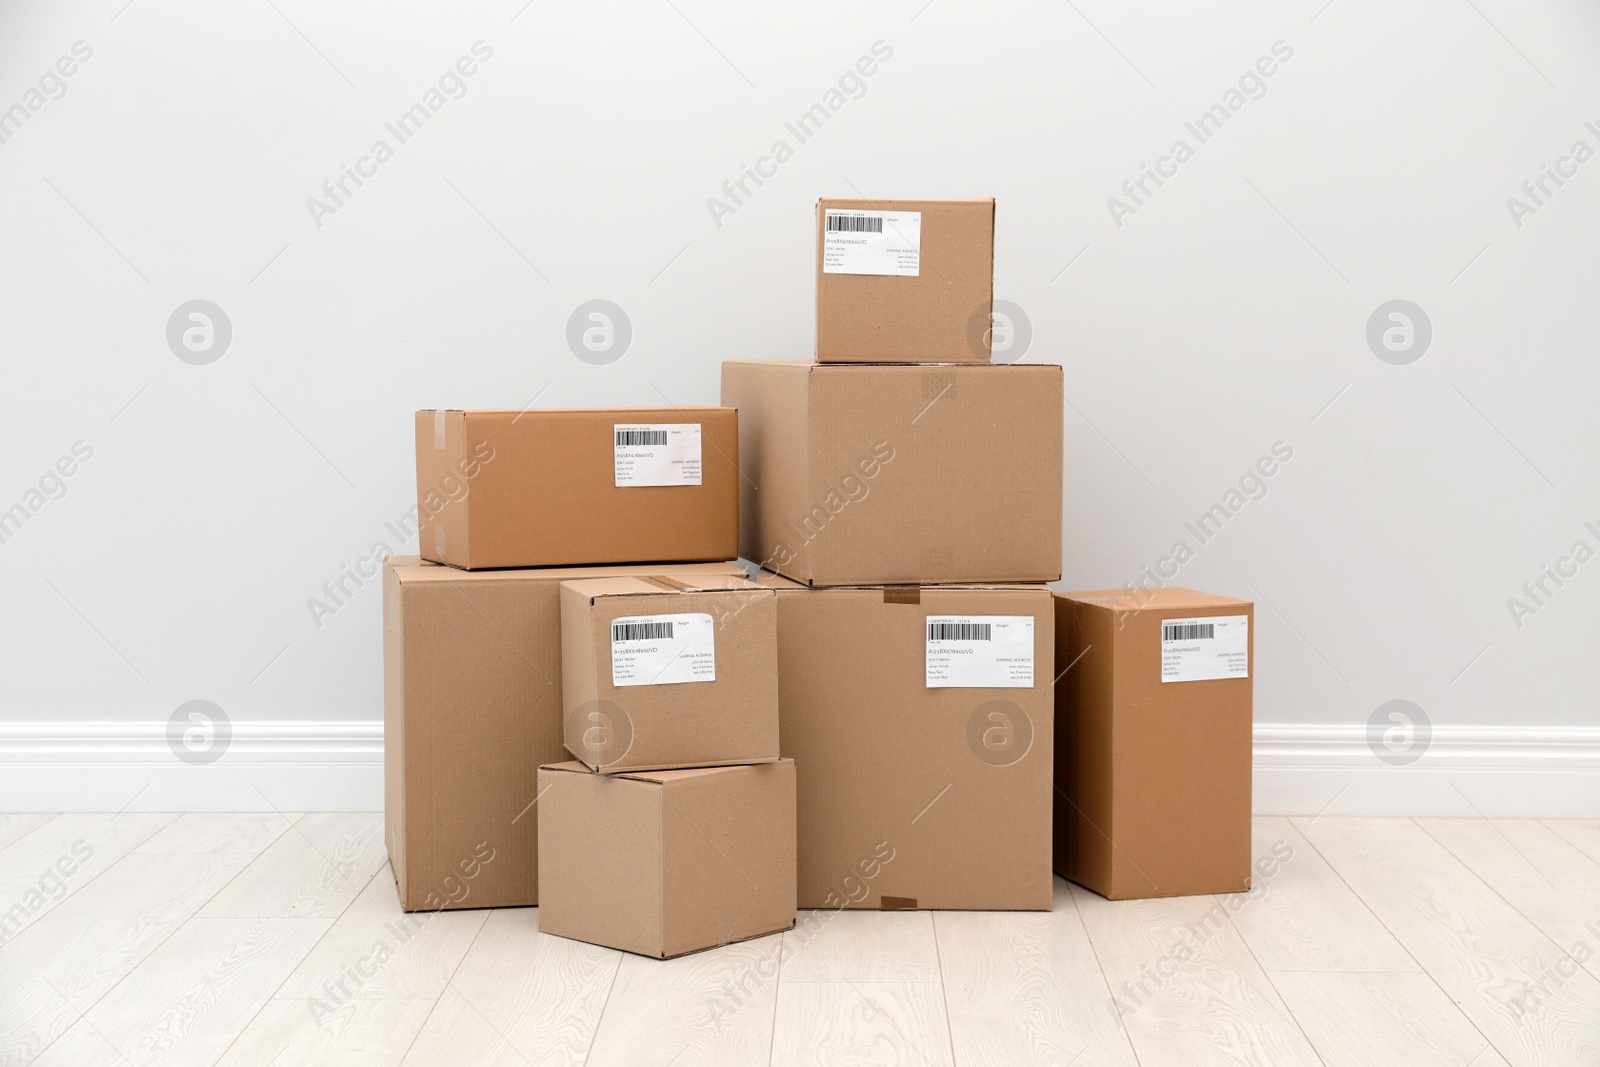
{"points": [[1164, 599]]}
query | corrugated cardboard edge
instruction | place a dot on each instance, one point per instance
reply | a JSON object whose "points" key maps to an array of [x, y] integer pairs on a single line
{"points": [[441, 438]]}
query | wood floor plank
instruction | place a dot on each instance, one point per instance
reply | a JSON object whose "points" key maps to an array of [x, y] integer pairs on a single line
{"points": [[1558, 859], [1569, 917], [73, 956], [58, 859], [1188, 989], [314, 870], [519, 997], [861, 946], [356, 1033], [1356, 1020], [229, 832], [1484, 850], [1582, 834], [13, 827], [1025, 988], [841, 1024], [188, 1001], [1485, 955], [375, 950], [711, 1007], [1301, 917]]}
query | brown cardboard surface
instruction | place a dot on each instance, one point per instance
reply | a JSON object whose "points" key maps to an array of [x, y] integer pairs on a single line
{"points": [[472, 706], [537, 488], [1153, 778], [913, 797], [860, 475], [939, 316], [667, 862], [731, 719]]}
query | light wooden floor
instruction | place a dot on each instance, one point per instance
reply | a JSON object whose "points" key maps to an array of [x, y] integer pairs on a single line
{"points": [[256, 939]]}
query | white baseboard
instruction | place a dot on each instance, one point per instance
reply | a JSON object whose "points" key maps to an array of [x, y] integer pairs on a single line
{"points": [[1531, 771], [109, 766], [1496, 771]]}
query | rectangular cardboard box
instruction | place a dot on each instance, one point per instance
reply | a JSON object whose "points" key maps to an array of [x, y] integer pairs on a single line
{"points": [[549, 487], [667, 862], [914, 796], [471, 707], [1153, 742], [904, 281], [662, 672], [863, 475]]}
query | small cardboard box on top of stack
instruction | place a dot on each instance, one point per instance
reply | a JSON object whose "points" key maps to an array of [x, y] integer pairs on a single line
{"points": [[904, 500]]}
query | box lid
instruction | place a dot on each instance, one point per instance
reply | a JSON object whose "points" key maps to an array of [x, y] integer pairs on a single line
{"points": [[1164, 599]]}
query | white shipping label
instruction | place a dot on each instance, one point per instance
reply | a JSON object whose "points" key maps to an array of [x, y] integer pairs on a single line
{"points": [[663, 649], [662, 454], [980, 651], [1193, 650], [872, 242]]}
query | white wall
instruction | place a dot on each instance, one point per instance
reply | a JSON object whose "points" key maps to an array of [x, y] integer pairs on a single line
{"points": [[1226, 313]]}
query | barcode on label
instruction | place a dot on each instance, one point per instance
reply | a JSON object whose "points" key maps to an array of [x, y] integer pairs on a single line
{"points": [[641, 631], [958, 631], [640, 438], [855, 224], [1188, 631]]}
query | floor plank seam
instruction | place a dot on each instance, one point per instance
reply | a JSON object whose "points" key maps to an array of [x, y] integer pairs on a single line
{"points": [[289, 973]]}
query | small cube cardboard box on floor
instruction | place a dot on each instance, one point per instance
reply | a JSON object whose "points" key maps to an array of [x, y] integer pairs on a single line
{"points": [[667, 862], [1153, 714], [661, 672]]}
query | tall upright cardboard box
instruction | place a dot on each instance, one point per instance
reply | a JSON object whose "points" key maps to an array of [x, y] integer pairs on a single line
{"points": [[904, 281], [1153, 736], [920, 720], [471, 708], [866, 475]]}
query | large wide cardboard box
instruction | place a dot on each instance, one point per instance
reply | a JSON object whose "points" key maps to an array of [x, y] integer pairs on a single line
{"points": [[904, 281], [1153, 736], [667, 862], [662, 672], [471, 707], [924, 757], [543, 487], [863, 475]]}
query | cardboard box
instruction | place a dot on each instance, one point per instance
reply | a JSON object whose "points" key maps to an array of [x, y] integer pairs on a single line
{"points": [[917, 475], [667, 862], [662, 672], [1153, 742], [904, 281], [471, 707], [915, 795], [541, 488]]}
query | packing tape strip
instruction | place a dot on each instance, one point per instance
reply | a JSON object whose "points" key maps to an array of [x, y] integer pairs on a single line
{"points": [[438, 541], [888, 903], [438, 429], [902, 594], [661, 581]]}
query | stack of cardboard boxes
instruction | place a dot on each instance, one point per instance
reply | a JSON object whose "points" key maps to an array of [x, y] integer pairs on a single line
{"points": [[905, 503], [587, 707], [506, 650]]}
